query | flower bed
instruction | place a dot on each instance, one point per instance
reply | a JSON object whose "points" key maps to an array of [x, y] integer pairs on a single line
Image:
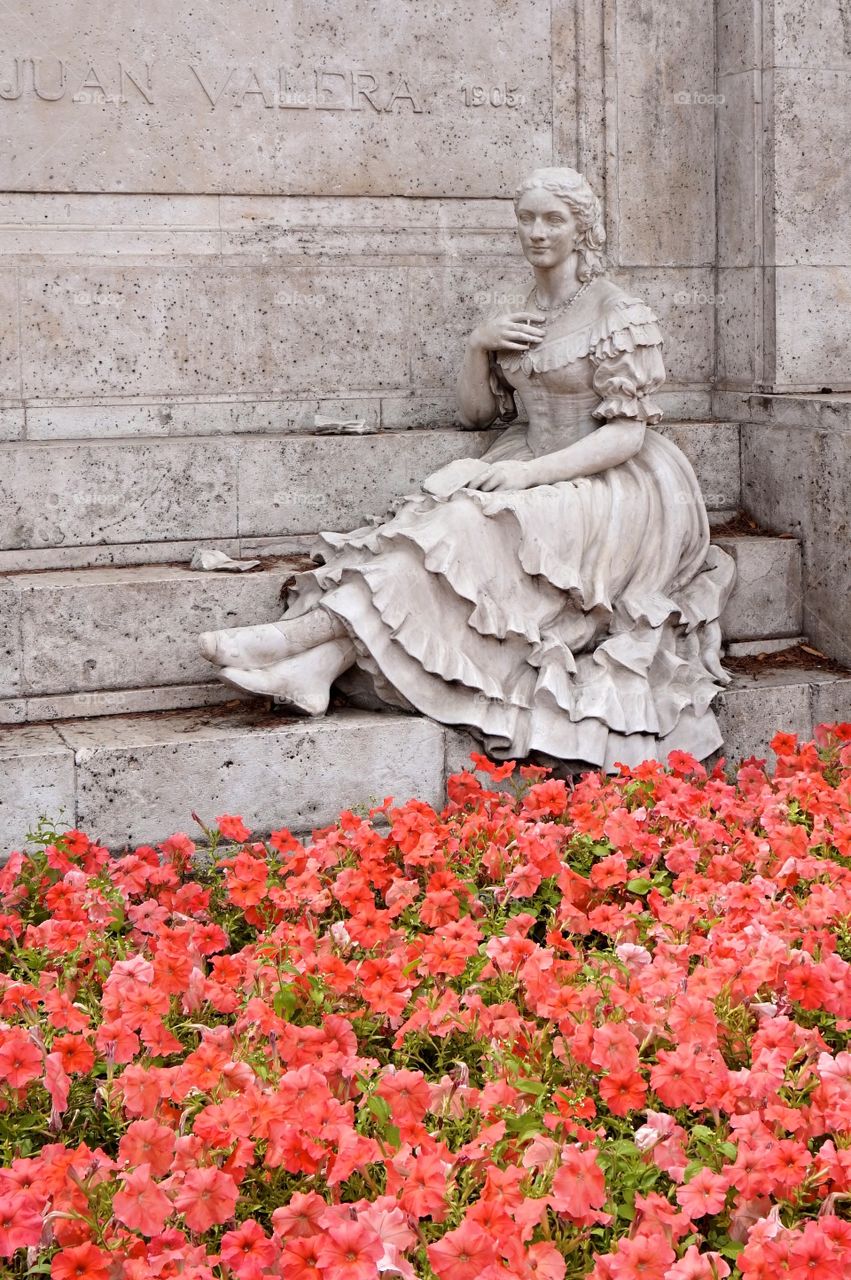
{"points": [[547, 1033]]}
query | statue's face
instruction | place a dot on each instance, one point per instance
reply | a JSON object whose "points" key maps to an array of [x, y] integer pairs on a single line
{"points": [[547, 228]]}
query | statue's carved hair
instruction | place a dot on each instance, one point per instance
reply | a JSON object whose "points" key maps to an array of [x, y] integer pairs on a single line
{"points": [[570, 187]]}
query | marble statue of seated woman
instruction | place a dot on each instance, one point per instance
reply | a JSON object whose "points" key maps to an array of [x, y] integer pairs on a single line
{"points": [[559, 595]]}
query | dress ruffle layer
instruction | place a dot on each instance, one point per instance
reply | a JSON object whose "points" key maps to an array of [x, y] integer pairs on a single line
{"points": [[579, 619]]}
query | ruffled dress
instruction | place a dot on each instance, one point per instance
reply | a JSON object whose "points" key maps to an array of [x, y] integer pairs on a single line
{"points": [[578, 619]]}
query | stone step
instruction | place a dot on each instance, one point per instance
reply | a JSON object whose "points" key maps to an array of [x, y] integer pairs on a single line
{"points": [[114, 641], [132, 779], [59, 495]]}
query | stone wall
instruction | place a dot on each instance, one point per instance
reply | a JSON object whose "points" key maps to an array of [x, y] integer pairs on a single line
{"points": [[225, 219], [784, 235]]}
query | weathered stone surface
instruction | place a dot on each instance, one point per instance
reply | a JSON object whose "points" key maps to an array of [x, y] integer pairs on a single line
{"points": [[83, 494], [807, 35], [10, 353], [813, 324], [686, 301], [164, 327], [665, 127], [309, 483], [767, 599], [712, 448], [755, 707], [812, 183], [90, 630], [286, 98], [832, 702], [115, 702], [737, 26], [36, 779], [797, 479], [10, 639], [739, 329], [737, 162], [139, 779], [107, 224]]}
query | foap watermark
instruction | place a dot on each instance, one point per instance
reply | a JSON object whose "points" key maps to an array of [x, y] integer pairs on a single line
{"points": [[97, 298], [697, 298], [490, 298], [696, 98], [293, 298]]}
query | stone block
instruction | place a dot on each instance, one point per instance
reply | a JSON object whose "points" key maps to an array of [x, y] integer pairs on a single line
{"points": [[10, 349], [808, 35], [739, 327], [754, 708], [812, 182], [712, 448], [10, 639], [85, 631], [797, 479], [302, 484], [665, 127], [813, 323], [85, 494], [686, 301], [166, 327], [400, 99], [832, 702], [446, 305], [767, 598], [140, 778], [36, 780], [737, 27], [738, 161]]}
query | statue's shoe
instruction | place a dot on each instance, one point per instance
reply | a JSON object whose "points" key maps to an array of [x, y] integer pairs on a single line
{"points": [[248, 648], [280, 681], [303, 681]]}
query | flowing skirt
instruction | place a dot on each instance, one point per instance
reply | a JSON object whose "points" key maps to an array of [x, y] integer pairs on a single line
{"points": [[578, 619]]}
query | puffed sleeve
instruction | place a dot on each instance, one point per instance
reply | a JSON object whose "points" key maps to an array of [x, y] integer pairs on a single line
{"points": [[501, 390], [625, 382]]}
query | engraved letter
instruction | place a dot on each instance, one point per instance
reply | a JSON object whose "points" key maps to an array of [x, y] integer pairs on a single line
{"points": [[359, 91], [212, 100], [289, 98], [321, 88], [49, 97], [90, 83], [252, 76], [147, 94], [10, 92], [398, 96]]}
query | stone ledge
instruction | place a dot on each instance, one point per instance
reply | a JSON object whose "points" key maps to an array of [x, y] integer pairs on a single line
{"points": [[129, 779], [90, 493], [122, 640]]}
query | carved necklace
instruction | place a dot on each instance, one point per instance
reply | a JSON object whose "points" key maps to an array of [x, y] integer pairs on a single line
{"points": [[562, 306]]}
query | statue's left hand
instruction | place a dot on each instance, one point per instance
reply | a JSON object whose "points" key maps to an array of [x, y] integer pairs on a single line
{"points": [[513, 474]]}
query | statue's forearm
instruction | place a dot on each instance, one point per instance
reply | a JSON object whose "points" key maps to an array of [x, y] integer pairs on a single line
{"points": [[477, 405], [608, 446]]}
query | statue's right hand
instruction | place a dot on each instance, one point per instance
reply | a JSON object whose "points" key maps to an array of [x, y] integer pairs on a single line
{"points": [[510, 331]]}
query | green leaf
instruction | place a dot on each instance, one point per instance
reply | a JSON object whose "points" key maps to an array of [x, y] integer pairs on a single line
{"points": [[639, 885]]}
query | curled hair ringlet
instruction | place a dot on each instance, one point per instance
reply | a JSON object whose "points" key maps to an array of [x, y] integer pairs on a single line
{"points": [[573, 190]]}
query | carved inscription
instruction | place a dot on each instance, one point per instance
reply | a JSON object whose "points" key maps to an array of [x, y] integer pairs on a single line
{"points": [[323, 88]]}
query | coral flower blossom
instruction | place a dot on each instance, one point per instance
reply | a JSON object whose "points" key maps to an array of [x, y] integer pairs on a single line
{"points": [[20, 1222], [462, 1254], [81, 1262], [349, 1251], [142, 1205], [206, 1198], [579, 1185]]}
